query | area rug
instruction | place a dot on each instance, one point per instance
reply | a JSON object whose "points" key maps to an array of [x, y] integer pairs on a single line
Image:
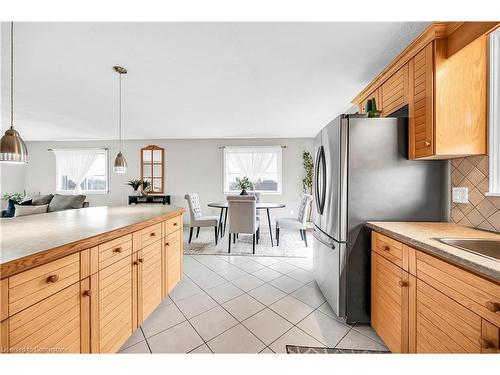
{"points": [[293, 349], [291, 245]]}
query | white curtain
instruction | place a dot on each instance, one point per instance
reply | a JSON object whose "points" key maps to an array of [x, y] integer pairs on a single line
{"points": [[252, 164], [75, 164]]}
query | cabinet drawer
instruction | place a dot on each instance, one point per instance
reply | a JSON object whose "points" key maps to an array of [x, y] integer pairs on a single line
{"points": [[173, 224], [472, 291], [443, 325], [390, 249], [30, 287], [50, 326], [151, 234], [115, 250]]}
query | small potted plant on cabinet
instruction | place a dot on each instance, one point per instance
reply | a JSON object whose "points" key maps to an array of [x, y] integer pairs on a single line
{"points": [[135, 184]]}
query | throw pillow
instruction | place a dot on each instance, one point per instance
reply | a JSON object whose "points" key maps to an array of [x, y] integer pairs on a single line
{"points": [[30, 210], [65, 202], [38, 200], [11, 207]]}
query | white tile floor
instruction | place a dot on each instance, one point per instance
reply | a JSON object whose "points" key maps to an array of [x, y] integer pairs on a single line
{"points": [[246, 304]]}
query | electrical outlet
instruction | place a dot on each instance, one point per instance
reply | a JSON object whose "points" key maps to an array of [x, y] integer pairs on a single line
{"points": [[460, 195]]}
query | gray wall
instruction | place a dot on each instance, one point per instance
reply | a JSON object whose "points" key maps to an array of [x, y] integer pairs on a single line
{"points": [[12, 179], [190, 166]]}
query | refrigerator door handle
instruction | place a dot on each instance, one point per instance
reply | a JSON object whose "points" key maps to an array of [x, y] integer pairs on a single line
{"points": [[320, 193], [328, 244]]}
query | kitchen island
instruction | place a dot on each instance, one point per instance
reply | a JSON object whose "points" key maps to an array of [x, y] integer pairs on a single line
{"points": [[81, 281]]}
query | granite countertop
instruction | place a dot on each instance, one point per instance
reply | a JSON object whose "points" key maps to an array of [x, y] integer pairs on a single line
{"points": [[421, 234], [28, 235]]}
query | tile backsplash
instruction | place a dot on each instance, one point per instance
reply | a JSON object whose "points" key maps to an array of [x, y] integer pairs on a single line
{"points": [[481, 211]]}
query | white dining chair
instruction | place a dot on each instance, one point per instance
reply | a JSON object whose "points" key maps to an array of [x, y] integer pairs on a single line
{"points": [[197, 220], [297, 223], [242, 214]]}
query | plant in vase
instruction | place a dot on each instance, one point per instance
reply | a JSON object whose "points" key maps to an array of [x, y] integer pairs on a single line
{"points": [[307, 181], [244, 183], [135, 184], [16, 197], [146, 185]]}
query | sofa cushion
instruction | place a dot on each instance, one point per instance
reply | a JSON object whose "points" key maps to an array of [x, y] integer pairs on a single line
{"points": [[30, 210], [39, 200], [11, 207], [65, 202]]}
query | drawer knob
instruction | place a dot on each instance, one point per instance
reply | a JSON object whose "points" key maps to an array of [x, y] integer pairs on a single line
{"points": [[152, 234], [118, 250], [52, 279], [175, 224], [386, 248], [427, 143], [136, 263], [87, 293], [486, 344], [167, 243], [141, 260], [402, 283], [493, 306]]}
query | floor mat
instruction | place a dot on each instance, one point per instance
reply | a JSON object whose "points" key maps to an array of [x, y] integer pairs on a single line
{"points": [[293, 349]]}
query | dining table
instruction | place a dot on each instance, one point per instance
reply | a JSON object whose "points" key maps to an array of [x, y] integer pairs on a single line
{"points": [[259, 206]]}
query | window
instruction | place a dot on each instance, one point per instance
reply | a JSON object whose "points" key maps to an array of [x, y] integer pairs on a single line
{"points": [[82, 171], [261, 164], [494, 115]]}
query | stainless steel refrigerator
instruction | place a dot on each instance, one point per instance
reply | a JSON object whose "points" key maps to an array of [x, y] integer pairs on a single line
{"points": [[362, 173]]}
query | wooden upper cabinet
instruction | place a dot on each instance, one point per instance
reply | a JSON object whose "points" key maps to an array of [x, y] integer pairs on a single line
{"points": [[394, 92], [420, 98], [389, 303]]}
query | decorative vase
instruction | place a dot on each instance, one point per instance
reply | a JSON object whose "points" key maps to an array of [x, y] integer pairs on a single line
{"points": [[136, 193], [243, 192], [371, 108]]}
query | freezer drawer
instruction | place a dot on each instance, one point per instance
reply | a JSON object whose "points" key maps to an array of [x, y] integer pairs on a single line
{"points": [[327, 266]]}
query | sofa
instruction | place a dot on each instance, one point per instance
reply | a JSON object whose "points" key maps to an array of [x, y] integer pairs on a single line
{"points": [[44, 203]]}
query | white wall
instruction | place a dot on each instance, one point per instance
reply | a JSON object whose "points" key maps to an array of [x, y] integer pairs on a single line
{"points": [[190, 166], [12, 179]]}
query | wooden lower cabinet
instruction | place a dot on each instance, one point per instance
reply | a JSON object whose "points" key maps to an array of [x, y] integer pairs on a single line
{"points": [[51, 325], [149, 280], [173, 253], [429, 305], [389, 303]]}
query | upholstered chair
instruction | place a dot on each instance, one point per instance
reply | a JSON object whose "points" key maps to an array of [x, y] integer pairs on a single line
{"points": [[242, 214], [197, 220], [297, 223]]}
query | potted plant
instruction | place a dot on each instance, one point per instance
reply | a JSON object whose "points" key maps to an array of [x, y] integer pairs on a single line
{"points": [[136, 184], [145, 186], [244, 183], [307, 181], [16, 197]]}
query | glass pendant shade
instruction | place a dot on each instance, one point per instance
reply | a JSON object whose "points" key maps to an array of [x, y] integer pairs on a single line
{"points": [[12, 148], [120, 165]]}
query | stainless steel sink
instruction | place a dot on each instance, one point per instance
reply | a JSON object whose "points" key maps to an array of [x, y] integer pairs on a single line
{"points": [[486, 248]]}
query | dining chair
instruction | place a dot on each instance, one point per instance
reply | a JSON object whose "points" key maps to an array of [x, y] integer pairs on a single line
{"points": [[197, 220], [299, 222], [243, 218]]}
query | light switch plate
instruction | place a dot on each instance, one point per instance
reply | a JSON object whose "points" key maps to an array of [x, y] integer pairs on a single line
{"points": [[460, 195]]}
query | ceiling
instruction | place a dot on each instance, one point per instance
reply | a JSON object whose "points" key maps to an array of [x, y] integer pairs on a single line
{"points": [[191, 80]]}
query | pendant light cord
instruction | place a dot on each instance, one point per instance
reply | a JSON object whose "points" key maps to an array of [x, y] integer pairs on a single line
{"points": [[120, 114], [12, 75]]}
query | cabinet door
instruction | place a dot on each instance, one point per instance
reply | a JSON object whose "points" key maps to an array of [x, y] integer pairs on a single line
{"points": [[443, 325], [51, 325], [389, 303], [421, 123], [490, 337], [394, 92], [149, 280], [173, 249], [114, 322]]}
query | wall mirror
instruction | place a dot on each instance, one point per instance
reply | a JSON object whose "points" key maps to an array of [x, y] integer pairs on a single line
{"points": [[152, 168]]}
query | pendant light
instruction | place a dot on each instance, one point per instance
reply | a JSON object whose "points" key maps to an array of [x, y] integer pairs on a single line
{"points": [[12, 147], [120, 165]]}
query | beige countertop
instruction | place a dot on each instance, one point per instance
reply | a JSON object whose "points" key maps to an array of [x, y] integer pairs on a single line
{"points": [[421, 235], [26, 236]]}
